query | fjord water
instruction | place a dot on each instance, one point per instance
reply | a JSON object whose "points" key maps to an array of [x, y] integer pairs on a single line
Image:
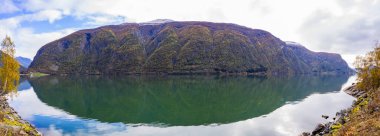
{"points": [[179, 105]]}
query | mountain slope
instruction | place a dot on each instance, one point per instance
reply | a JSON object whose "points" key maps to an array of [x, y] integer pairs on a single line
{"points": [[25, 62], [182, 48]]}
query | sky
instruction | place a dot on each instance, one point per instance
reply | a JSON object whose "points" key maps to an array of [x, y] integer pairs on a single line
{"points": [[347, 27]]}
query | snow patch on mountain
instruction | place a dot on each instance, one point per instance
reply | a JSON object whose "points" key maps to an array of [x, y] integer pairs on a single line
{"points": [[290, 43], [157, 22]]}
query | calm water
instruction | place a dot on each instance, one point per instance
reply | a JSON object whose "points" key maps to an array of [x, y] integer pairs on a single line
{"points": [[179, 105]]}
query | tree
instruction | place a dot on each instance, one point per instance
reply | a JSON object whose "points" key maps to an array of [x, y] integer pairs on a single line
{"points": [[368, 68], [9, 70]]}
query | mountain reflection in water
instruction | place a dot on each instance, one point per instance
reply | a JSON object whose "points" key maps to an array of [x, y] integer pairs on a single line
{"points": [[176, 100]]}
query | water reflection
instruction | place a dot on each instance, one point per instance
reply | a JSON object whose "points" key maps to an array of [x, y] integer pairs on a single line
{"points": [[24, 84], [176, 100], [184, 104]]}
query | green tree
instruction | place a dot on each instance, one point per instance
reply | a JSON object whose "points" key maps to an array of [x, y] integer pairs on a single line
{"points": [[9, 71]]}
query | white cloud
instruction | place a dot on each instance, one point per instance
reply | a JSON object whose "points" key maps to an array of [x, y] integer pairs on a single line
{"points": [[96, 20], [7, 6], [28, 42], [14, 22], [37, 5], [50, 15], [350, 32], [7, 25]]}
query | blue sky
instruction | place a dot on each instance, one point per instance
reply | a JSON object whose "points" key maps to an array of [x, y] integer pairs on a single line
{"points": [[348, 27]]}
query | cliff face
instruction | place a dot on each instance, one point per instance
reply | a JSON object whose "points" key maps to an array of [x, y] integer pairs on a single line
{"points": [[179, 47]]}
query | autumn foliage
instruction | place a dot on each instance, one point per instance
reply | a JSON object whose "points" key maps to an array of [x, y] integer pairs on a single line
{"points": [[9, 70], [368, 68]]}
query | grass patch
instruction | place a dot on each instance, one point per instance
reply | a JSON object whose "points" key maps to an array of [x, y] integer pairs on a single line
{"points": [[25, 127], [37, 74]]}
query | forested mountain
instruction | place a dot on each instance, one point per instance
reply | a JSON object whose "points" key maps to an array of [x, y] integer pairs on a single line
{"points": [[180, 48]]}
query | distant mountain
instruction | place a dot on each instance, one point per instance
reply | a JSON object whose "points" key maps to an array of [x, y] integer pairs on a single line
{"points": [[317, 61], [171, 47], [25, 62]]}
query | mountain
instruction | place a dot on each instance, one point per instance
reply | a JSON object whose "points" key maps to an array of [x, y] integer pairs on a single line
{"points": [[180, 48], [318, 61], [25, 62]]}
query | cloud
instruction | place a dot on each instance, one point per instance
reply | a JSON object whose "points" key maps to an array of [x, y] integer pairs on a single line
{"points": [[28, 42], [354, 30], [12, 22], [50, 15], [7, 6], [96, 20], [37, 5]]}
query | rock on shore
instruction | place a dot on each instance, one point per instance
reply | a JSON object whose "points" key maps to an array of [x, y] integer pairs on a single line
{"points": [[342, 117], [353, 91]]}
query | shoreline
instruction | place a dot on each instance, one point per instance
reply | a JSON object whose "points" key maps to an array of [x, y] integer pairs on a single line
{"points": [[343, 120], [12, 124]]}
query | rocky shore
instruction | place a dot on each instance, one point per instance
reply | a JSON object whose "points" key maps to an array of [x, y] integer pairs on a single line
{"points": [[351, 119], [12, 124]]}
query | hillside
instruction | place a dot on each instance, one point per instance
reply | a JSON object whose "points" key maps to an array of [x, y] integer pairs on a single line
{"points": [[25, 62], [180, 48]]}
